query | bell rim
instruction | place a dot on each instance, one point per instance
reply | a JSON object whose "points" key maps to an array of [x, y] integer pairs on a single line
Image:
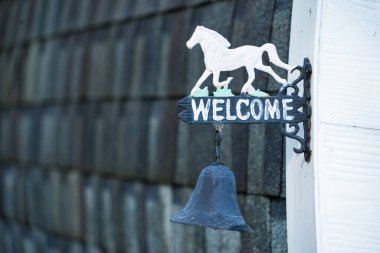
{"points": [[184, 217]]}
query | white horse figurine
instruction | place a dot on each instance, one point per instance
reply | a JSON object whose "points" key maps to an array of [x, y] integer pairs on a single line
{"points": [[219, 58]]}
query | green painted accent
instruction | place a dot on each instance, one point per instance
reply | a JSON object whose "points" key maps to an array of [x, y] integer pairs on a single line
{"points": [[223, 92], [259, 93], [202, 92]]}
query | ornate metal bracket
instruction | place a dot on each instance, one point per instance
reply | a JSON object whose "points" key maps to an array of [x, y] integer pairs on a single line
{"points": [[291, 129], [289, 108]]}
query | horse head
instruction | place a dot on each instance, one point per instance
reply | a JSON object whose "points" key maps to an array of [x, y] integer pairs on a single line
{"points": [[195, 38]]}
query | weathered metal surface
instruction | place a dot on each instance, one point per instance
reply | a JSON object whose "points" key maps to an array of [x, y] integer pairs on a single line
{"points": [[214, 202]]}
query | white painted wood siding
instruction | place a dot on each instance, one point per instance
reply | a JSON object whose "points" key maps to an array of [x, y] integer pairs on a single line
{"points": [[346, 129], [348, 175]]}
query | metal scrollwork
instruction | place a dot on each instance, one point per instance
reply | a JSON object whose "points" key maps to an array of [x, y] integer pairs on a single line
{"points": [[291, 129]]}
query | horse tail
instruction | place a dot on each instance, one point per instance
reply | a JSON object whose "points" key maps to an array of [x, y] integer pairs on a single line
{"points": [[273, 56]]}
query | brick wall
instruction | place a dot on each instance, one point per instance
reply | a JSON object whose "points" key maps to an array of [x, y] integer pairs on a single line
{"points": [[93, 158]]}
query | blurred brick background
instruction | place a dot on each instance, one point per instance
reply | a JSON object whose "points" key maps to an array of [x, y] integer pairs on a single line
{"points": [[93, 158]]}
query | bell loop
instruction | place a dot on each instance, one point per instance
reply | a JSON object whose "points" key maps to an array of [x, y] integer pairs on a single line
{"points": [[218, 140]]}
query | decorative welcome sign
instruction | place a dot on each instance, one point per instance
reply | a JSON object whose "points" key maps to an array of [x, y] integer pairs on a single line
{"points": [[241, 109], [251, 106], [214, 201]]}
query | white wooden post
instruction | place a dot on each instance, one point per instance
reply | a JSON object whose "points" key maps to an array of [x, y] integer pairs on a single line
{"points": [[333, 203], [300, 204]]}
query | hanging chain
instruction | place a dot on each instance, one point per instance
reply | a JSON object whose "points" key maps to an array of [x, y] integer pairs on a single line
{"points": [[218, 140]]}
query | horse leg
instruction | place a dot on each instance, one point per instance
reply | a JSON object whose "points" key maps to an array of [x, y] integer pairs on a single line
{"points": [[270, 71], [216, 82], [204, 76], [247, 87]]}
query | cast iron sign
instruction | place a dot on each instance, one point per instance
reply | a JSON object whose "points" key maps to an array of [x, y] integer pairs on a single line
{"points": [[288, 108]]}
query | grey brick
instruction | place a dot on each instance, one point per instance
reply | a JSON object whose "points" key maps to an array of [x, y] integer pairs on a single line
{"points": [[18, 73], [222, 241], [75, 248], [28, 244], [172, 73], [123, 56], [54, 12], [105, 134], [16, 237], [9, 134], [69, 12], [11, 24], [185, 238], [110, 217], [123, 9], [3, 233], [210, 17], [23, 20], [280, 37], [77, 67], [259, 15], [264, 160], [8, 240], [76, 129], [103, 11], [40, 17], [84, 13], [46, 207], [4, 13], [69, 136], [71, 15], [31, 214], [195, 150], [63, 136], [19, 195], [157, 212], [257, 215], [144, 7], [132, 218], [56, 245], [234, 148], [48, 70], [13, 80], [40, 240], [71, 218], [5, 63], [100, 64], [28, 135], [91, 113], [146, 59], [32, 72], [278, 226], [91, 212], [62, 70], [161, 141], [132, 140], [37, 197], [49, 127], [8, 192], [54, 199]]}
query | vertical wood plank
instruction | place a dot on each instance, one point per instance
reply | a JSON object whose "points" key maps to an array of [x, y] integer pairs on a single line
{"points": [[300, 205]]}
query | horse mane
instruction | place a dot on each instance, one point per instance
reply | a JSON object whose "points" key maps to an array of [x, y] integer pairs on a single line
{"points": [[217, 36]]}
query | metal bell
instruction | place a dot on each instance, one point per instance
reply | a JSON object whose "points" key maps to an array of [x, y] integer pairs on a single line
{"points": [[214, 202]]}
